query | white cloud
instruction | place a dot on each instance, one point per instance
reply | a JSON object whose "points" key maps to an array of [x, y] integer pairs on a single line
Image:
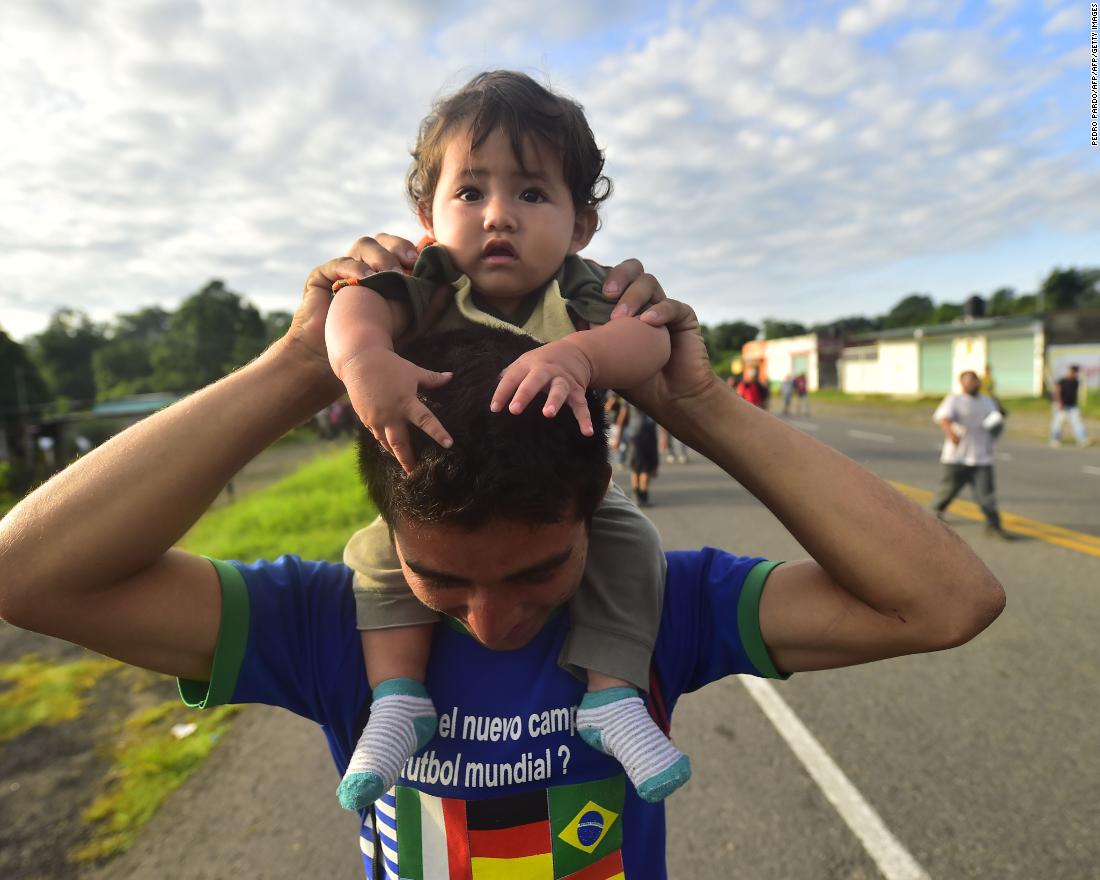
{"points": [[754, 156], [1072, 18], [864, 17]]}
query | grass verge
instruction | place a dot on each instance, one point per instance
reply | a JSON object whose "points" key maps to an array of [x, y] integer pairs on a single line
{"points": [[42, 693], [1090, 408], [149, 762], [311, 512]]}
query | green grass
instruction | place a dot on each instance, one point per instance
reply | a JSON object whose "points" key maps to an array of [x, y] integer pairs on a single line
{"points": [[833, 395], [301, 434], [42, 693], [312, 513], [148, 764], [1090, 407]]}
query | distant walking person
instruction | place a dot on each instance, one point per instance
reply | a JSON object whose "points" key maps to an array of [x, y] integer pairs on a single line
{"points": [[969, 421], [786, 390], [672, 448], [987, 382], [1065, 406], [750, 388], [801, 391], [640, 431]]}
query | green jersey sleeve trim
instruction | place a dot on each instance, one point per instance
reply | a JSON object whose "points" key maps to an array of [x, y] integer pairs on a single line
{"points": [[748, 620], [455, 624], [229, 651]]}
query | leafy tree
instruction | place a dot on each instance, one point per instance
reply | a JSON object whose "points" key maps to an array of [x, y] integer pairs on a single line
{"points": [[147, 325], [1065, 289], [212, 333], [21, 384], [776, 329], [723, 340], [849, 326], [63, 352], [945, 313], [1092, 280], [276, 324], [1002, 302], [915, 309], [123, 365], [1028, 304]]}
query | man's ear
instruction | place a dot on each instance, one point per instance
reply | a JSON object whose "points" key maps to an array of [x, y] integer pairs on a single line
{"points": [[608, 474], [424, 215], [584, 227]]}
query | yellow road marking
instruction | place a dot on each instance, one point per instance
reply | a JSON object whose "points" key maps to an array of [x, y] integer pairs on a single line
{"points": [[1021, 525]]}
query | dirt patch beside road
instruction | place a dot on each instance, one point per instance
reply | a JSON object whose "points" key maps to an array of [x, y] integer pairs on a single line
{"points": [[50, 774]]}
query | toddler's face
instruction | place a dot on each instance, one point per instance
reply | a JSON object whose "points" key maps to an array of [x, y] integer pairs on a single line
{"points": [[506, 228]]}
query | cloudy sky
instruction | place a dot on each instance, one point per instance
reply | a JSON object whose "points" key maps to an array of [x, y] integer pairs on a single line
{"points": [[803, 160]]}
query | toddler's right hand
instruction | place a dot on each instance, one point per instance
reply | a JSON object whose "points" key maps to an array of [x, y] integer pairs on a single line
{"points": [[382, 386]]}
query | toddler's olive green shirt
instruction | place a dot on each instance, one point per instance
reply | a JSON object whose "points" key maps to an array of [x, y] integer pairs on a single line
{"points": [[572, 300]]}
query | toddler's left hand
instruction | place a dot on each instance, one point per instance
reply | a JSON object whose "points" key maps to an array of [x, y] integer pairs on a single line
{"points": [[562, 368]]}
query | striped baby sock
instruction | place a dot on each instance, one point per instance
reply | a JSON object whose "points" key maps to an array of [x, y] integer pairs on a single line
{"points": [[402, 720], [616, 722]]}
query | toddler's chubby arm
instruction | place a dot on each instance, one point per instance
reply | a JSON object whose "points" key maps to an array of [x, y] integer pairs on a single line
{"points": [[620, 354], [626, 282], [359, 333]]}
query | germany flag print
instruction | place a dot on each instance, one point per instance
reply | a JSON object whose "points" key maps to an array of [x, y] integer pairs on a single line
{"points": [[568, 832]]}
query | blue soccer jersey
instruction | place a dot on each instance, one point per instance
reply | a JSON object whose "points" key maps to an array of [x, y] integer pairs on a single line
{"points": [[506, 788]]}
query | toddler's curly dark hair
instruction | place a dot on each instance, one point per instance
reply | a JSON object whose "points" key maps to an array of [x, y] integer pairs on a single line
{"points": [[512, 103]]}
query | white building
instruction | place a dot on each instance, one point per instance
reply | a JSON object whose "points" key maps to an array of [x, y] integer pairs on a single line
{"points": [[813, 355], [927, 361]]}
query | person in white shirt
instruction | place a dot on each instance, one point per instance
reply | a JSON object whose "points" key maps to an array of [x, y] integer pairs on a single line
{"points": [[970, 422]]}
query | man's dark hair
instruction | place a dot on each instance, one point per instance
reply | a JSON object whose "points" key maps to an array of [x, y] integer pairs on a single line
{"points": [[526, 467], [516, 105]]}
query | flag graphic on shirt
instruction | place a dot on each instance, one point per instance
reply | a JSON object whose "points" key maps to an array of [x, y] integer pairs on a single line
{"points": [[569, 832], [586, 821], [589, 827], [510, 838]]}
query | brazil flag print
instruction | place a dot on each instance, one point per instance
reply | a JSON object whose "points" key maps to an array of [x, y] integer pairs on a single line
{"points": [[568, 832]]}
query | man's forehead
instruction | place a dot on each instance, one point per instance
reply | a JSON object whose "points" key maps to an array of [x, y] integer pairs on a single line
{"points": [[496, 549]]}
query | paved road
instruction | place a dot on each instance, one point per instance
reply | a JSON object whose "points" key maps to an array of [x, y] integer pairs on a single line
{"points": [[1059, 486], [981, 762]]}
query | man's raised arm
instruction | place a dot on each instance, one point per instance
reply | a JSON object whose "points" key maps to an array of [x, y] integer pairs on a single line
{"points": [[87, 556], [885, 579]]}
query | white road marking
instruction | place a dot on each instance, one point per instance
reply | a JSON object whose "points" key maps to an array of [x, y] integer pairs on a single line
{"points": [[1003, 456], [1089, 469], [805, 426], [892, 859], [870, 435]]}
